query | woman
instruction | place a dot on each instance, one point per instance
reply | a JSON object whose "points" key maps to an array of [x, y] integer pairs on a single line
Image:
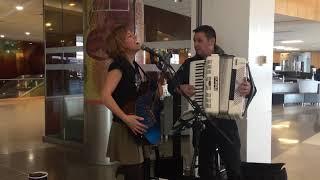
{"points": [[120, 90]]}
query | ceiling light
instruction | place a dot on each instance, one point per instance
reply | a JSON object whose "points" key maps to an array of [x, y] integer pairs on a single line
{"points": [[48, 24], [19, 8], [285, 48], [72, 4], [50, 29], [288, 141], [292, 41], [2, 36], [30, 43], [27, 33]]}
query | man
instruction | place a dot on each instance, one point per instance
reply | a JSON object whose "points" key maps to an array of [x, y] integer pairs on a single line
{"points": [[205, 45]]}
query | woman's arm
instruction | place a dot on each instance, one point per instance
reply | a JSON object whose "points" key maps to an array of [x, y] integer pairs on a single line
{"points": [[112, 80]]}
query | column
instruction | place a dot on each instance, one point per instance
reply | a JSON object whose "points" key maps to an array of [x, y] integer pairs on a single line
{"points": [[245, 29]]}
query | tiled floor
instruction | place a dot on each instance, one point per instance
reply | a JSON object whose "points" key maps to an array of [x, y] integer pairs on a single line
{"points": [[22, 150], [295, 141]]}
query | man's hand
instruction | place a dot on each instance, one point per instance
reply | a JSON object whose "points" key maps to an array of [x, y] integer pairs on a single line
{"points": [[186, 89], [244, 88]]}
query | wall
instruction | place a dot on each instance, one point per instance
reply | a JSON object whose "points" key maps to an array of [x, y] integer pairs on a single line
{"points": [[172, 25], [276, 57], [315, 59], [307, 9], [245, 28], [23, 58]]}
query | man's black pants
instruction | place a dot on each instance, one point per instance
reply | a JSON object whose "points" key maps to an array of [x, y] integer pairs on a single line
{"points": [[210, 139]]}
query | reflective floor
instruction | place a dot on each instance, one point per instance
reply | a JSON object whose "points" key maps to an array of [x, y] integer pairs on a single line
{"points": [[22, 150], [295, 141]]}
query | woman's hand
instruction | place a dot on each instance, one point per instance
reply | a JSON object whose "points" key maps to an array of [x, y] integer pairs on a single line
{"points": [[133, 122]]}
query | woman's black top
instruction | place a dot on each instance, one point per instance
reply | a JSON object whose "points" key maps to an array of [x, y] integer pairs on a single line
{"points": [[126, 91]]}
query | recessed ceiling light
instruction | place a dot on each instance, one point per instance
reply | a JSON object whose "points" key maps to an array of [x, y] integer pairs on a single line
{"points": [[285, 48], [2, 36], [48, 24], [27, 33], [72, 4], [19, 8], [30, 42], [292, 41]]}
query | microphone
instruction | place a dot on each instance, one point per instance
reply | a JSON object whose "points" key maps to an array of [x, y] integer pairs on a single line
{"points": [[149, 50], [162, 62], [166, 57]]}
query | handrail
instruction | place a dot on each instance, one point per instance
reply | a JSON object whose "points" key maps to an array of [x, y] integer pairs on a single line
{"points": [[32, 89], [15, 79]]}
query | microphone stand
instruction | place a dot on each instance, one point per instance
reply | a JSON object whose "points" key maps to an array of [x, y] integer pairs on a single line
{"points": [[198, 125]]}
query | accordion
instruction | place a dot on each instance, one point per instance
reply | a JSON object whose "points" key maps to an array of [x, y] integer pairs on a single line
{"points": [[216, 82]]}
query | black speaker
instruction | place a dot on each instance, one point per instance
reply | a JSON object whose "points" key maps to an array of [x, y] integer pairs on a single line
{"points": [[169, 167], [263, 171]]}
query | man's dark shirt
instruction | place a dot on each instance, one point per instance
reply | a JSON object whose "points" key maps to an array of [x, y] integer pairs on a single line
{"points": [[182, 75]]}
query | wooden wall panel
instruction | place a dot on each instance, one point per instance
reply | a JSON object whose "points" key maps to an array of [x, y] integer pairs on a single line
{"points": [[315, 59], [292, 8], [276, 57], [281, 6], [307, 9]]}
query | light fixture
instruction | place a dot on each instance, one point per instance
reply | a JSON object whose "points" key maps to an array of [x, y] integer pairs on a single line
{"points": [[288, 141], [2, 36], [30, 43], [19, 8], [48, 24], [176, 1], [285, 48], [27, 33], [292, 41], [72, 4], [50, 29]]}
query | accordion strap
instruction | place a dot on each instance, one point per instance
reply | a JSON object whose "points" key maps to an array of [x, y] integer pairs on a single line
{"points": [[253, 90]]}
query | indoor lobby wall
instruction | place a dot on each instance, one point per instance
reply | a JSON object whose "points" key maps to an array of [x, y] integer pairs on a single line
{"points": [[20, 58], [307, 9], [246, 29]]}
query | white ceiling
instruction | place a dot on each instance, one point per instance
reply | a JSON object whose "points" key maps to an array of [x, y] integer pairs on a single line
{"points": [[13, 23], [292, 28]]}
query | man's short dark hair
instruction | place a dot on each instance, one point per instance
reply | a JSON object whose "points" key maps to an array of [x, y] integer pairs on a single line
{"points": [[207, 30]]}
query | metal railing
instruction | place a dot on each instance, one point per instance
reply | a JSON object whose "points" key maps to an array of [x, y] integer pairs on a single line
{"points": [[22, 86]]}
